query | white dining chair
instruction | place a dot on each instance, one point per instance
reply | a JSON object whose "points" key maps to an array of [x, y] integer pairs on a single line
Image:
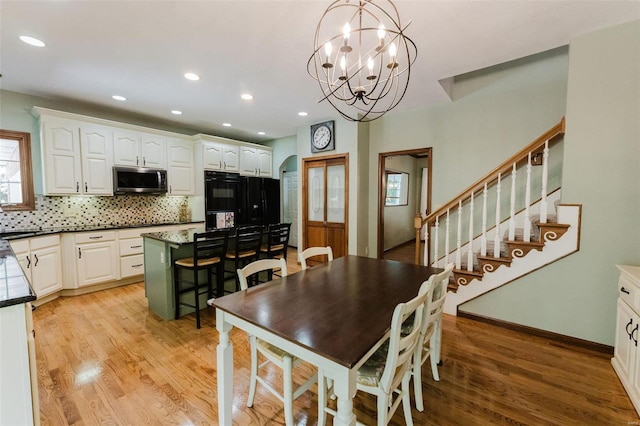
{"points": [[431, 334], [314, 251], [271, 353], [387, 373]]}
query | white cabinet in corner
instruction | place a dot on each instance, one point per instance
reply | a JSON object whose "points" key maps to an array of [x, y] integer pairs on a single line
{"points": [[40, 260], [139, 149], [77, 157], [256, 161], [626, 356], [180, 170], [97, 259]]}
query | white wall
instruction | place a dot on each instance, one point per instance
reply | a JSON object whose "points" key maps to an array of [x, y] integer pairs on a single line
{"points": [[398, 220], [577, 295]]}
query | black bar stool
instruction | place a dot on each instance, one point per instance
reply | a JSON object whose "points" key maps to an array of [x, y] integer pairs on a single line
{"points": [[277, 243], [247, 247], [209, 249]]}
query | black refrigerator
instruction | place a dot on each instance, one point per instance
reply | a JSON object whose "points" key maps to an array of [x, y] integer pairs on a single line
{"points": [[259, 201]]}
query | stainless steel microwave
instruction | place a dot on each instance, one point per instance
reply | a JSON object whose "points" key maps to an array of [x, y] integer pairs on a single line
{"points": [[137, 180]]}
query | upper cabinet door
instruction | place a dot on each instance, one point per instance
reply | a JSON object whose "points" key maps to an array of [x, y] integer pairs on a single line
{"points": [[231, 158], [180, 172], [126, 148], [97, 160], [61, 157], [264, 163], [212, 154], [248, 161], [153, 149]]}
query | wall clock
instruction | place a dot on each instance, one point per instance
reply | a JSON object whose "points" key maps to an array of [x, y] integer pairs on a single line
{"points": [[323, 137]]}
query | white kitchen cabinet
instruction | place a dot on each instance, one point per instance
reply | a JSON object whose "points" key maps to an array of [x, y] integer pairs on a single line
{"points": [[139, 149], [97, 257], [131, 253], [97, 159], [61, 158], [77, 158], [18, 370], [256, 161], [180, 170], [40, 260], [221, 156], [626, 358]]}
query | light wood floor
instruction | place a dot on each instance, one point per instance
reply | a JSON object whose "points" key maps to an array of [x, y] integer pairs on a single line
{"points": [[104, 359]]}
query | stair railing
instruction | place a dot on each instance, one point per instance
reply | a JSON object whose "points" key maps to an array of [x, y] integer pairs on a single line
{"points": [[537, 151]]}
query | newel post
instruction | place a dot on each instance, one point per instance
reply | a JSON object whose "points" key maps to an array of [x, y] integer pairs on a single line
{"points": [[417, 223]]}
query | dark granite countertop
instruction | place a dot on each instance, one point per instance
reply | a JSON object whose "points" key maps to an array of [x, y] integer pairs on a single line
{"points": [[173, 237], [14, 287], [14, 234]]}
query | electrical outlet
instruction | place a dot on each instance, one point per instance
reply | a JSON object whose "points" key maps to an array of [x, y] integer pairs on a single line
{"points": [[68, 209]]}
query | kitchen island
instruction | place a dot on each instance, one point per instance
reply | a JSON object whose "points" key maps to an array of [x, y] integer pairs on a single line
{"points": [[161, 250]]}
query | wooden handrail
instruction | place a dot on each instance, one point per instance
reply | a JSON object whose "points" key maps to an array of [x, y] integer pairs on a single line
{"points": [[503, 168]]}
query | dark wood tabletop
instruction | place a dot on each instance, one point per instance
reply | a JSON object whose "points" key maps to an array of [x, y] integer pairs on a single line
{"points": [[339, 309]]}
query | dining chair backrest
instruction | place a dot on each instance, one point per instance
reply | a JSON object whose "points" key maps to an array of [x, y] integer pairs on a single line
{"points": [[259, 266], [315, 251], [402, 346], [277, 240], [209, 245], [248, 239], [440, 290]]}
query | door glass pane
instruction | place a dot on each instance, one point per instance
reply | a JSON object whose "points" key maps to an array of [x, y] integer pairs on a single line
{"points": [[335, 193], [316, 194]]}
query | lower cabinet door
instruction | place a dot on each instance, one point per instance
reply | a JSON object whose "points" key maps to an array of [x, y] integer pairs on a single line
{"points": [[97, 263], [46, 271]]}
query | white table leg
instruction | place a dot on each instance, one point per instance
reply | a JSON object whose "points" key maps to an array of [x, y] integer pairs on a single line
{"points": [[344, 386], [225, 370]]}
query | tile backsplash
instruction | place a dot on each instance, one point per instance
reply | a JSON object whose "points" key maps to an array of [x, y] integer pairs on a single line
{"points": [[54, 212]]}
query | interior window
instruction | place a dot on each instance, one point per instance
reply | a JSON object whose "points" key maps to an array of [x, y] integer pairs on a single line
{"points": [[16, 178], [397, 189]]}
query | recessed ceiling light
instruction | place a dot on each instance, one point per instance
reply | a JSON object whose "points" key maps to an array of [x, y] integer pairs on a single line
{"points": [[302, 114], [32, 41], [119, 98], [246, 96], [191, 76], [226, 124], [261, 133], [176, 112]]}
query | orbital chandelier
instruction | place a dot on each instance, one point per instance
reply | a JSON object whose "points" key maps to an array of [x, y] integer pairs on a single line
{"points": [[362, 58]]}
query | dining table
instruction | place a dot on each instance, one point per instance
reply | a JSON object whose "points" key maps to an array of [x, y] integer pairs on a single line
{"points": [[334, 315]]}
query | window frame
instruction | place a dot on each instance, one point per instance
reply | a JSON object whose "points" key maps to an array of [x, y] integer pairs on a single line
{"points": [[403, 189], [26, 171]]}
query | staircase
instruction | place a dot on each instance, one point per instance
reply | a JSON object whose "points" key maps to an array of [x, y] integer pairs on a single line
{"points": [[529, 236]]}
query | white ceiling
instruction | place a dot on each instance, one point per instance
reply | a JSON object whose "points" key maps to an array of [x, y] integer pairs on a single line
{"points": [[141, 49]]}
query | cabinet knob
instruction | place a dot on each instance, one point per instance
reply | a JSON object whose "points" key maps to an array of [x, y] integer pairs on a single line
{"points": [[36, 264], [28, 262], [624, 290], [78, 187], [137, 161], [79, 253]]}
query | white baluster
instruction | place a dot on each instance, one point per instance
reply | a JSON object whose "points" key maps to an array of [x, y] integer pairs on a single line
{"points": [[545, 174], [446, 241], [497, 238], [483, 241], [425, 252], [527, 202], [435, 251], [470, 246], [512, 210], [459, 240]]}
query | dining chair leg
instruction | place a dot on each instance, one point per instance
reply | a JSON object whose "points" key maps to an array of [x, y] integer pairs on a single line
{"points": [[220, 279], [254, 370], [288, 390], [322, 398], [406, 399], [433, 350], [383, 408], [417, 378]]}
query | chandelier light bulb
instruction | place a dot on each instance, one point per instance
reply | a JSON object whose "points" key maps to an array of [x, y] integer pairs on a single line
{"points": [[327, 50], [381, 33], [346, 30]]}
